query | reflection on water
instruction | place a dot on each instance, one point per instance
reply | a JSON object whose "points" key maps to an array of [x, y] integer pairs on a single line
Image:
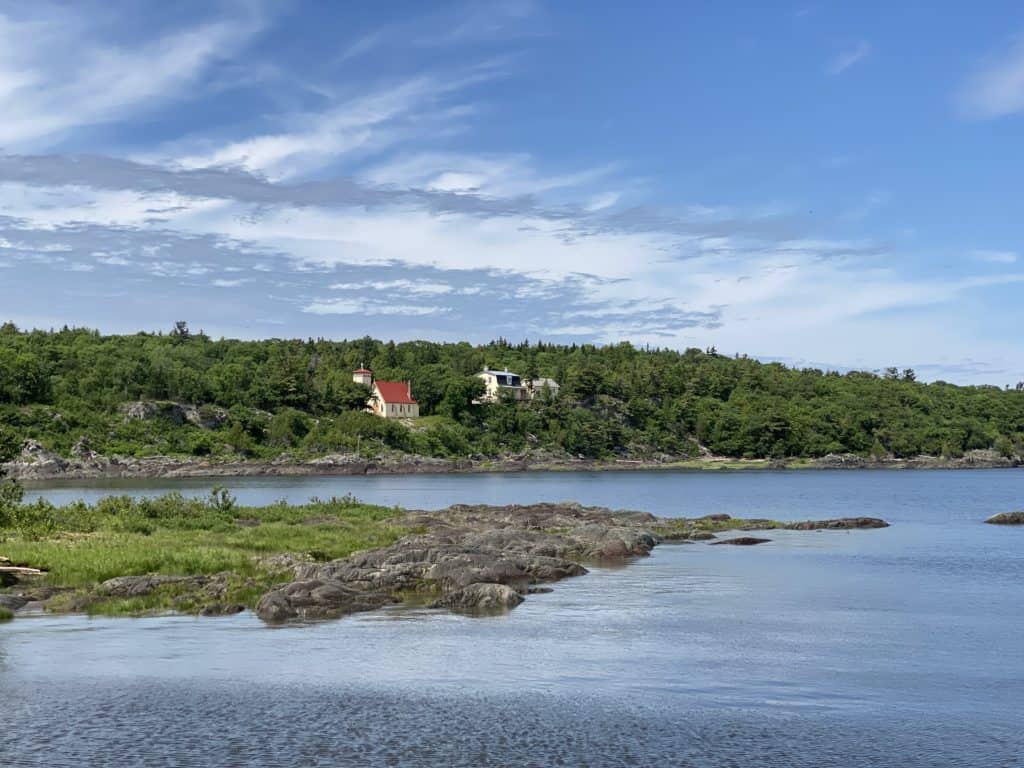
{"points": [[896, 647]]}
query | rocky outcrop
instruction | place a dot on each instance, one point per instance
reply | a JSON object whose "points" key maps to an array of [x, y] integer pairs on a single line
{"points": [[205, 417], [140, 586], [318, 599], [478, 558], [1007, 518], [840, 523]]}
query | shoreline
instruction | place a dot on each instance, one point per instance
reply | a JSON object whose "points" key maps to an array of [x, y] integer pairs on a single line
{"points": [[47, 466], [326, 560]]}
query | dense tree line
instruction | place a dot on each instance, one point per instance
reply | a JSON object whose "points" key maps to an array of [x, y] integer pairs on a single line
{"points": [[261, 398]]}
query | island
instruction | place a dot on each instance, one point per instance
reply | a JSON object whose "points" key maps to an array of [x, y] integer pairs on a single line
{"points": [[126, 556]]}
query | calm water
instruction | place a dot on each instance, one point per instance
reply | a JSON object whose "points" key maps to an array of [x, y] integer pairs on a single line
{"points": [[898, 647]]}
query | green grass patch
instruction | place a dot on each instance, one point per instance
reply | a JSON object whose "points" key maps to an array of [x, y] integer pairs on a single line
{"points": [[6, 614], [83, 545]]}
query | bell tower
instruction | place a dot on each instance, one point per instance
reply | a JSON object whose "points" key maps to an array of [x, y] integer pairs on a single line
{"points": [[362, 376]]}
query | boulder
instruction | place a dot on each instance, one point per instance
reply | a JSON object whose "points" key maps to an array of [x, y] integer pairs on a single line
{"points": [[741, 541], [317, 599], [1007, 518], [13, 602], [481, 597]]}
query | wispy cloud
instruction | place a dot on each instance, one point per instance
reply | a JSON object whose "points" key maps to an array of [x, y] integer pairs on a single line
{"points": [[60, 73], [847, 58], [994, 257], [369, 121], [370, 307], [996, 89]]}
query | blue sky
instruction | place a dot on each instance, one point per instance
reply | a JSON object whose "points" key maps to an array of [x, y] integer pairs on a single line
{"points": [[822, 183]]}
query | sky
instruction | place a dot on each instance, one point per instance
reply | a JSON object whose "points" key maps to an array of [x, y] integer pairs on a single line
{"points": [[826, 184]]}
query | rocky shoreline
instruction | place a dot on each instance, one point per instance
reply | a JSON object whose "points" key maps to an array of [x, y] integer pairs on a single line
{"points": [[467, 558], [38, 463]]}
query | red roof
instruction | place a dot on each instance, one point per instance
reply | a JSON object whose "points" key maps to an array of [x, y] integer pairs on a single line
{"points": [[361, 370], [394, 392]]}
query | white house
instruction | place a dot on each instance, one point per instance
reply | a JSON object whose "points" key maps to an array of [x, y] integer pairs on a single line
{"points": [[502, 382], [388, 399], [539, 385]]}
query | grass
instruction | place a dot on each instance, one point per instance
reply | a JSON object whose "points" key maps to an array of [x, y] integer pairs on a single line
{"points": [[683, 527], [6, 614], [83, 545]]}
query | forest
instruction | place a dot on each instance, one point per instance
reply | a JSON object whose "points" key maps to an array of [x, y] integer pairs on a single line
{"points": [[76, 391]]}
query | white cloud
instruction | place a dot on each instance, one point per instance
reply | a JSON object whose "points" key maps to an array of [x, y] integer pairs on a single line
{"points": [[996, 89], [57, 74], [222, 283], [368, 121], [401, 286], [494, 175], [365, 307], [846, 59], [994, 257]]}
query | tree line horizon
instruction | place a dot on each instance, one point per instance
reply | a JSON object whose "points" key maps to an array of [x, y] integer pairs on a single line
{"points": [[263, 398]]}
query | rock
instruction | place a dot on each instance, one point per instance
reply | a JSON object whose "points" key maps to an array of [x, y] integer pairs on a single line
{"points": [[741, 541], [139, 586], [841, 461], [317, 599], [1007, 518], [13, 602], [221, 609], [204, 417], [482, 597], [39, 458], [846, 523], [82, 449], [301, 566], [516, 547], [701, 536], [474, 557]]}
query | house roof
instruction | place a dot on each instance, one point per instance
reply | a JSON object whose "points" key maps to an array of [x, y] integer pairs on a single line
{"points": [[499, 373], [361, 370], [394, 392]]}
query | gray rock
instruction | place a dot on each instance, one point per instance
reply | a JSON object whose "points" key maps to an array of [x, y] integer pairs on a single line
{"points": [[13, 602], [1007, 518], [741, 541], [317, 599], [841, 523], [482, 597], [139, 586], [221, 609]]}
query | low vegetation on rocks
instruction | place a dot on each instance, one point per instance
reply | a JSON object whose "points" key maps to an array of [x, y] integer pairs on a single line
{"points": [[324, 559]]}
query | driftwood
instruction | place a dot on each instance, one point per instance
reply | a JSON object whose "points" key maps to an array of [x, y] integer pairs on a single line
{"points": [[21, 571]]}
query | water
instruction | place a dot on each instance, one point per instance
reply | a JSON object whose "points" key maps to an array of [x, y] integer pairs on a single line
{"points": [[894, 647]]}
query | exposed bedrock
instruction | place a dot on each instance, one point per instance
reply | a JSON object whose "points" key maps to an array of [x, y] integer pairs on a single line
{"points": [[1007, 518], [477, 558], [474, 558]]}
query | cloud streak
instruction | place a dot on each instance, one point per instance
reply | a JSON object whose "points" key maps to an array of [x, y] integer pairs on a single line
{"points": [[846, 59], [56, 75], [996, 89]]}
